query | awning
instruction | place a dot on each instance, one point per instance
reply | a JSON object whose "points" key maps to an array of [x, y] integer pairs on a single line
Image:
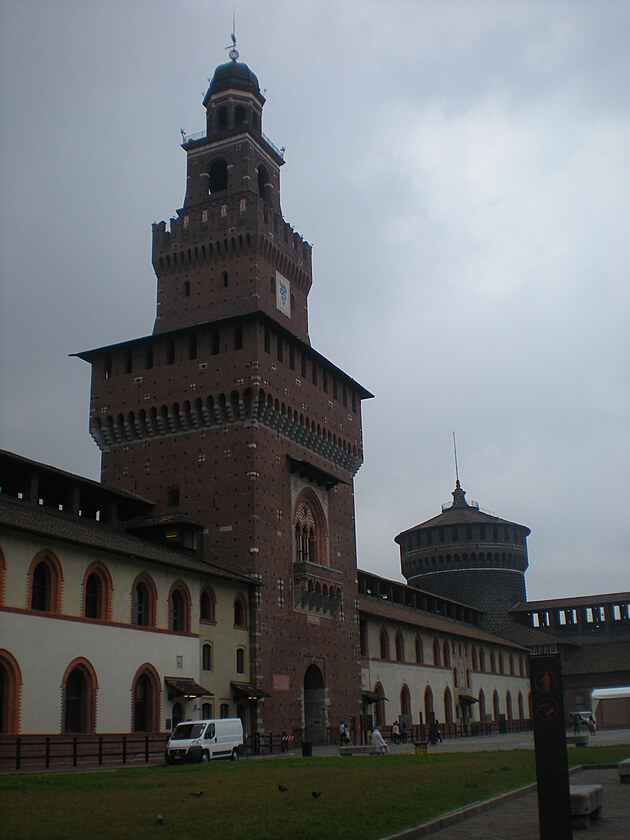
{"points": [[182, 687], [248, 690], [467, 699], [372, 697]]}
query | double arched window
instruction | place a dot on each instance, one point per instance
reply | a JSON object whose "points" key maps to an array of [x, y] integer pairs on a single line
{"points": [[240, 611]]}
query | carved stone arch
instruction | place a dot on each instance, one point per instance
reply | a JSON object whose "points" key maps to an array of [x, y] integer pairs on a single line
{"points": [[79, 687], [10, 693]]}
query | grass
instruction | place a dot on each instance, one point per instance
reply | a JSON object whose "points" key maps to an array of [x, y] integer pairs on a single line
{"points": [[362, 797]]}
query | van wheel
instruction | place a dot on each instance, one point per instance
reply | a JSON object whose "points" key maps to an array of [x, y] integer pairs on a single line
{"points": [[235, 754], [205, 757]]}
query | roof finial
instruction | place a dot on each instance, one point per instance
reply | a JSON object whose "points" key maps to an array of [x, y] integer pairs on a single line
{"points": [[455, 452], [233, 52]]}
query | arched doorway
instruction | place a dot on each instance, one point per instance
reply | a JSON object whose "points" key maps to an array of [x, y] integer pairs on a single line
{"points": [[79, 697], [315, 720], [428, 705], [10, 685], [146, 700]]}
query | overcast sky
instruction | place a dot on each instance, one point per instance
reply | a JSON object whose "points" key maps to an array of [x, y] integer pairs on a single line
{"points": [[462, 169]]}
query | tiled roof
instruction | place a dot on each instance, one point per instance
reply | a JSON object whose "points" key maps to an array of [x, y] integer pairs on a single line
{"points": [[428, 621], [23, 516]]}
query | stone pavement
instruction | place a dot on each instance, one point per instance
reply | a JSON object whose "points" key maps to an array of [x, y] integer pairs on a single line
{"points": [[515, 817]]}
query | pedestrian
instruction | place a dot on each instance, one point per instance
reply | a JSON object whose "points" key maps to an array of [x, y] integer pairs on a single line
{"points": [[395, 732], [342, 733], [378, 741], [403, 731], [591, 725], [346, 734]]}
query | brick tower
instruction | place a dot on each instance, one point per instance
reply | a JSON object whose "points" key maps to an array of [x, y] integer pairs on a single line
{"points": [[226, 418], [469, 556]]}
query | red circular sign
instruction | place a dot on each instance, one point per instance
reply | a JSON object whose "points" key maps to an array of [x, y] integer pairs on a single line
{"points": [[547, 709]]}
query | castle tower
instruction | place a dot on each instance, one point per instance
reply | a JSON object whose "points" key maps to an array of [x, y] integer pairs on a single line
{"points": [[469, 556], [227, 418]]}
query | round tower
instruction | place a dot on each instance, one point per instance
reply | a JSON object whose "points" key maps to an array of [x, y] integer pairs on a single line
{"points": [[469, 556]]}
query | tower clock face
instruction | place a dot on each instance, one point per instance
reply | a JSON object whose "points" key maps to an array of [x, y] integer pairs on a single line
{"points": [[283, 294]]}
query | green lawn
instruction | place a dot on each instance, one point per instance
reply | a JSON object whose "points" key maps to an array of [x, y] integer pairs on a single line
{"points": [[361, 797]]}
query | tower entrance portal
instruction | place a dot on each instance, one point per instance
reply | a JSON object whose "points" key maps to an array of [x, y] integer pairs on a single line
{"points": [[315, 716]]}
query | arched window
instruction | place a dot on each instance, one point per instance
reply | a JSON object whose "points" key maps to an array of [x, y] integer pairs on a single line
{"points": [[222, 118], [225, 710], [97, 588], [436, 653], [240, 661], [143, 599], [206, 657], [179, 608], [419, 650], [511, 661], [379, 706], [429, 712], [45, 580], [474, 658], [400, 647], [206, 710], [10, 691], [521, 711], [482, 705], [310, 530], [500, 660], [482, 660], [240, 612], [384, 643], [79, 687], [218, 176], [495, 705], [405, 701], [493, 663], [508, 705], [146, 700], [208, 605], [240, 116], [446, 649], [448, 705]]}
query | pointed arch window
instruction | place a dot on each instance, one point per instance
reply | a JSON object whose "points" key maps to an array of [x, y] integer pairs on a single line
{"points": [[436, 653], [482, 705], [495, 705], [448, 705], [45, 578], [146, 700], [143, 601], [179, 608], [419, 650], [446, 649], [379, 706], [97, 589], [207, 605], [429, 712], [10, 690], [240, 612], [79, 687], [405, 701], [384, 643], [400, 647]]}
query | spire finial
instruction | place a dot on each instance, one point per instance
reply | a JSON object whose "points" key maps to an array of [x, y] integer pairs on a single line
{"points": [[455, 452], [233, 52]]}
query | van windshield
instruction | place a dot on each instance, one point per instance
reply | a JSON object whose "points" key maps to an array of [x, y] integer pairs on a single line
{"points": [[187, 731]]}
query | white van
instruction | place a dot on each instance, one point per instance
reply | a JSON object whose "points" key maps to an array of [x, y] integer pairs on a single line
{"points": [[201, 740]]}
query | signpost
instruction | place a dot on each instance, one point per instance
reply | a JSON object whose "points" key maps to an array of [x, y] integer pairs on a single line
{"points": [[552, 764]]}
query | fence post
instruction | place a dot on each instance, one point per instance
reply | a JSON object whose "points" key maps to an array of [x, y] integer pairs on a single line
{"points": [[124, 749]]}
